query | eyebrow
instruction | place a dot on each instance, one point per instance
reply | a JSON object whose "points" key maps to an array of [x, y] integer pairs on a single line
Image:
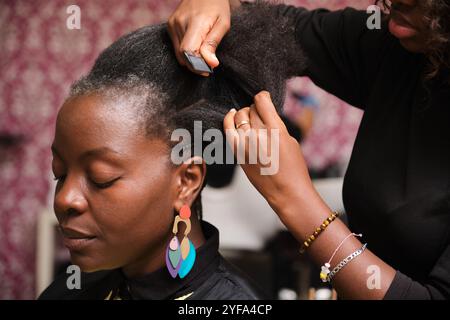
{"points": [[97, 152]]}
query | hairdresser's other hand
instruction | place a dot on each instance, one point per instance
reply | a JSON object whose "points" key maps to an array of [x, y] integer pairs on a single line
{"points": [[286, 178], [198, 26]]}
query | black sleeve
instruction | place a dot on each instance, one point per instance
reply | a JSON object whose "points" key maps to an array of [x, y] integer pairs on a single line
{"points": [[437, 286], [343, 54]]}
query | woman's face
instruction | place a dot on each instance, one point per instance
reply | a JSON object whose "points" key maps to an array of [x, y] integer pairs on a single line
{"points": [[115, 194], [407, 24]]}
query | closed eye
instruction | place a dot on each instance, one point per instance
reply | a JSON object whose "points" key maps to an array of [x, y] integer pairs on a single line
{"points": [[105, 185]]}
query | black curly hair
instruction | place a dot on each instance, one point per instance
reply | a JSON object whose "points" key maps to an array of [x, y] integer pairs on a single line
{"points": [[142, 66]]}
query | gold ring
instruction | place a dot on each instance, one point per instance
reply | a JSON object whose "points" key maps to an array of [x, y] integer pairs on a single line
{"points": [[242, 123]]}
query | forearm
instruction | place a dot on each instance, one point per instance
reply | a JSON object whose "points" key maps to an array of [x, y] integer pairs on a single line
{"points": [[302, 214]]}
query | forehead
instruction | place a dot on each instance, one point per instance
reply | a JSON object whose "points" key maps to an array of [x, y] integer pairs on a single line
{"points": [[94, 113], [93, 121]]}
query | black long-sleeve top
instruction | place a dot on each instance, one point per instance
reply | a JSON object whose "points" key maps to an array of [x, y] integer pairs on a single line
{"points": [[397, 186], [211, 278]]}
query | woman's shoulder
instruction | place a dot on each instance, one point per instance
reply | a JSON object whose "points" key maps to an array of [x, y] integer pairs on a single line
{"points": [[227, 283]]}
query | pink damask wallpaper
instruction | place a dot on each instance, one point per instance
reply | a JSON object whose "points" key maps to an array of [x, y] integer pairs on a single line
{"points": [[39, 59]]}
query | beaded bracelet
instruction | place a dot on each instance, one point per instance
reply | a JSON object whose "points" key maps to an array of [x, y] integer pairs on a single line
{"points": [[307, 243]]}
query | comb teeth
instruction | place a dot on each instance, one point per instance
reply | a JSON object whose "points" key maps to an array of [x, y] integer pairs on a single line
{"points": [[197, 63]]}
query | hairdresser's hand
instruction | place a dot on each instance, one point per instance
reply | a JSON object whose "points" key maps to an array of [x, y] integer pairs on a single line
{"points": [[198, 26], [285, 179]]}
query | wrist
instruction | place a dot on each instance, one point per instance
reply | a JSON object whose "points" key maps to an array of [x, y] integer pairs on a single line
{"points": [[300, 210], [294, 200]]}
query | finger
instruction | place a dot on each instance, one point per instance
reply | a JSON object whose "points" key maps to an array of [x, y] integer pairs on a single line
{"points": [[192, 40], [242, 119], [176, 32], [262, 133], [212, 41], [243, 127], [230, 130], [176, 46], [255, 119], [180, 29], [257, 123], [267, 111], [195, 33]]}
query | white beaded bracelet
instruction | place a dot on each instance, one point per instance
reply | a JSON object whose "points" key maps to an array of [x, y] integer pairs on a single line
{"points": [[325, 269]]}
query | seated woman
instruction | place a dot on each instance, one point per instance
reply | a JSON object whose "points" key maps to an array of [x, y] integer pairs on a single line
{"points": [[123, 206]]}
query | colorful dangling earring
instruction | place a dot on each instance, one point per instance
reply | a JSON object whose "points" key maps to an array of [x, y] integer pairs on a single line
{"points": [[180, 258]]}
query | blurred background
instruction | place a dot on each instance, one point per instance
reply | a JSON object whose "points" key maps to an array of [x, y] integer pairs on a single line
{"points": [[40, 58]]}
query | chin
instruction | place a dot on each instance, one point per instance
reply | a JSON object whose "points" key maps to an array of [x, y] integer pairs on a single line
{"points": [[412, 46], [88, 264]]}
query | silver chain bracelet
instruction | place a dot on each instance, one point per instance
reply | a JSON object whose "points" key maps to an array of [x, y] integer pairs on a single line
{"points": [[344, 262]]}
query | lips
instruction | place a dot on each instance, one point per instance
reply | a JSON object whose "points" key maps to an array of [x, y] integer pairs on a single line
{"points": [[400, 26], [76, 240]]}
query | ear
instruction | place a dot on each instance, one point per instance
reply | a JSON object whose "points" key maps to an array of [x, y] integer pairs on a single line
{"points": [[189, 177]]}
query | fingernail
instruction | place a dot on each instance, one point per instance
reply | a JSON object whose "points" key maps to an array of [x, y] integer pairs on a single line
{"points": [[213, 55], [233, 110]]}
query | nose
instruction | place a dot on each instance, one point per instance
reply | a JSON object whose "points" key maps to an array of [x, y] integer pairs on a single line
{"points": [[69, 197]]}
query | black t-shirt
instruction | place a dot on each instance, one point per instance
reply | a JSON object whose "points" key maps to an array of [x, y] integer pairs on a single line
{"points": [[397, 186]]}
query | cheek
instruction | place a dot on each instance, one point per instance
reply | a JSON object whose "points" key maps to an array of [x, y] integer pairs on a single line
{"points": [[139, 210], [419, 22]]}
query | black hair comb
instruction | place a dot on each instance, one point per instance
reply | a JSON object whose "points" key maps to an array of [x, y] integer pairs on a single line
{"points": [[197, 63]]}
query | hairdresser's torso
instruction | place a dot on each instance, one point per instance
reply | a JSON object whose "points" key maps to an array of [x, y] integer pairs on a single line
{"points": [[397, 186]]}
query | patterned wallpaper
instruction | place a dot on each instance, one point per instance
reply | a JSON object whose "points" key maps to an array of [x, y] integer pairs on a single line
{"points": [[39, 59]]}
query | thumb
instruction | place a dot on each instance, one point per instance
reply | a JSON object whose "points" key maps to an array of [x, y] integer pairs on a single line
{"points": [[212, 41]]}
